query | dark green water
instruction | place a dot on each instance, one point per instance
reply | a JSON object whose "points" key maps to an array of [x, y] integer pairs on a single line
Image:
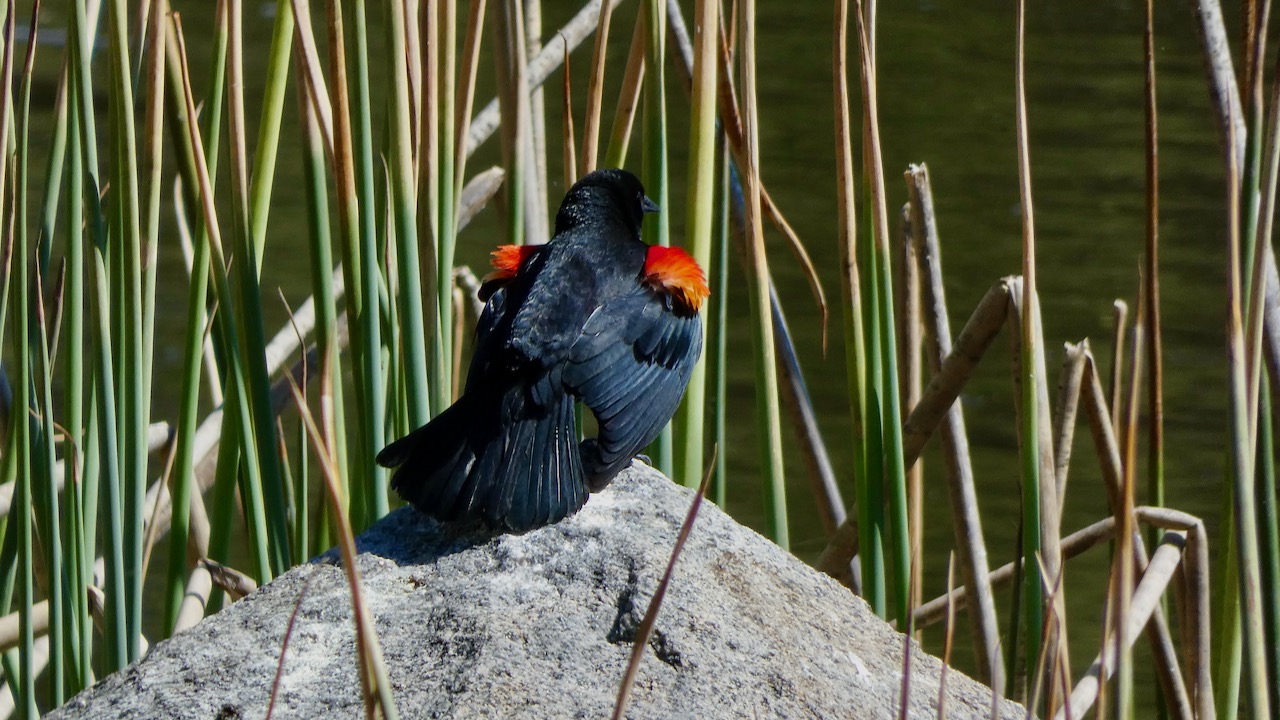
{"points": [[946, 98]]}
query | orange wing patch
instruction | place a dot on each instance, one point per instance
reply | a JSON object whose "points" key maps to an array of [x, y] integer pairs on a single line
{"points": [[674, 272], [506, 261]]}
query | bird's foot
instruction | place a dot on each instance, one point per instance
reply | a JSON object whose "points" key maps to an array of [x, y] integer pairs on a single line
{"points": [[599, 474]]}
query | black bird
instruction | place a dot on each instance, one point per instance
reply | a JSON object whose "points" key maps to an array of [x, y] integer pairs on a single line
{"points": [[596, 315]]}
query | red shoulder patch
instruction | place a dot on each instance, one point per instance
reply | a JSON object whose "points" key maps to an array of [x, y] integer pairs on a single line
{"points": [[673, 271], [507, 259]]}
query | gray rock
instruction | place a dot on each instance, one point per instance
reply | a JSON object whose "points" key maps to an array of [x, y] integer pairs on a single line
{"points": [[540, 626]]}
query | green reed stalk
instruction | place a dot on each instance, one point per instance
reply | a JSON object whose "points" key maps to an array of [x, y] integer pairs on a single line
{"points": [[595, 91], [332, 411], [247, 315], [46, 493], [536, 205], [149, 235], [653, 170], [1259, 402], [437, 296], [1032, 583], [891, 433], [267, 147], [81, 548], [1227, 650], [183, 471], [10, 661], [398, 399], [1244, 163], [718, 318], [84, 160], [259, 205], [872, 296], [873, 431], [20, 425], [1265, 484], [1263, 657], [1261, 215], [354, 179], [628, 96], [295, 494], [302, 536], [6, 113], [54, 165], [59, 516], [856, 360], [568, 138], [114, 587], [1151, 288], [126, 233], [73, 615], [394, 363], [360, 264], [1227, 626], [444, 184], [700, 206], [102, 434], [197, 299], [467, 84], [768, 412], [153, 133], [403, 201], [513, 102], [238, 413], [224, 490], [1242, 466]]}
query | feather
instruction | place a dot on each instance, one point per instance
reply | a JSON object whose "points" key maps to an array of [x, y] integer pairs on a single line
{"points": [[672, 271]]}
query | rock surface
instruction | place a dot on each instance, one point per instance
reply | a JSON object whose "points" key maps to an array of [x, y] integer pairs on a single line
{"points": [[540, 626]]}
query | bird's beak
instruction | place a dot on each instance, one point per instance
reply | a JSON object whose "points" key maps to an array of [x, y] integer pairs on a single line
{"points": [[648, 205]]}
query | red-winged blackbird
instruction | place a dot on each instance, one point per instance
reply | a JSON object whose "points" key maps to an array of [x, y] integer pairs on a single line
{"points": [[596, 315]]}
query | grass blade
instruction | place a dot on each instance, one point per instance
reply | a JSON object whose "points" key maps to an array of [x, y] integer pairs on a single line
{"points": [[768, 412], [595, 91], [353, 168], [870, 555], [403, 200], [895, 470], [650, 619], [373, 672], [700, 205]]}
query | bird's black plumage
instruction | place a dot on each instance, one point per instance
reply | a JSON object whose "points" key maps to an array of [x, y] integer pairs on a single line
{"points": [[580, 318]]}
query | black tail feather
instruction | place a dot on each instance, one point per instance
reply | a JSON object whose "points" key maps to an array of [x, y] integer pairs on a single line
{"points": [[492, 456]]}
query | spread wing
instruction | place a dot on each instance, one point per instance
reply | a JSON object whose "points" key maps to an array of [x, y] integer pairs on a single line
{"points": [[630, 365]]}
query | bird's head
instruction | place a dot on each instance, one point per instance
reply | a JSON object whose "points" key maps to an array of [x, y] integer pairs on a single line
{"points": [[610, 194]]}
